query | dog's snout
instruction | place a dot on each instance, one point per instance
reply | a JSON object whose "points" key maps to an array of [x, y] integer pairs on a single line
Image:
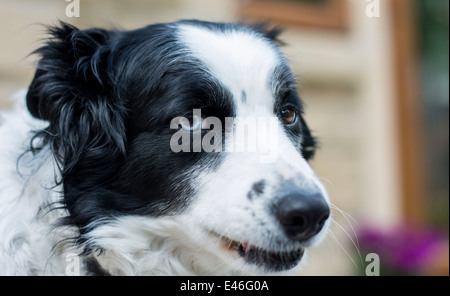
{"points": [[301, 214]]}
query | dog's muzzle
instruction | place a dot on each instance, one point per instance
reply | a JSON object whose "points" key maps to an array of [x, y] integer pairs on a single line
{"points": [[301, 215]]}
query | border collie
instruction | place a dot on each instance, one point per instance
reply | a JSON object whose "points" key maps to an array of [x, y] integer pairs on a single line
{"points": [[90, 185]]}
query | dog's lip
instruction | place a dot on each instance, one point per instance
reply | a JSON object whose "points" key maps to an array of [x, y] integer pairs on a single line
{"points": [[271, 260]]}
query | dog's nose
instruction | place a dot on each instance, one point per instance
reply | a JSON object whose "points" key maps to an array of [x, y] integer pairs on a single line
{"points": [[301, 213]]}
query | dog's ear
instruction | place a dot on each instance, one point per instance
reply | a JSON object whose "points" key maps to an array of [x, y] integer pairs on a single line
{"points": [[72, 89], [72, 67], [309, 143], [270, 32]]}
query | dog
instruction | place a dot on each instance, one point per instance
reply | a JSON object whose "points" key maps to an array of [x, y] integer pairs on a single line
{"points": [[89, 181]]}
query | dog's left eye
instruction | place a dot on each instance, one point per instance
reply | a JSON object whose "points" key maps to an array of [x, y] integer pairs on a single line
{"points": [[195, 123], [288, 115]]}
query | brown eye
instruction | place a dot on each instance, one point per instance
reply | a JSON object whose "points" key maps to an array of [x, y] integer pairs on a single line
{"points": [[288, 115]]}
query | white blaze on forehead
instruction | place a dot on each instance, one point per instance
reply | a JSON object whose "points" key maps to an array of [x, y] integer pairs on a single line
{"points": [[241, 60]]}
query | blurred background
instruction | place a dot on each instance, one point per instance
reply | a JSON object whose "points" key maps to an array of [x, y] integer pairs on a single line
{"points": [[374, 75]]}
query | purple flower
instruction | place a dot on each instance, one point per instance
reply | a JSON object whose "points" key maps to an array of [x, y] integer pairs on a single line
{"points": [[404, 249]]}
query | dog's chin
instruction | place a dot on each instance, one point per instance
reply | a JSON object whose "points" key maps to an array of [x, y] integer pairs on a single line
{"points": [[260, 258]]}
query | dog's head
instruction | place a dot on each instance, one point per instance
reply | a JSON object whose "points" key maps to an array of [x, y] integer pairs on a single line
{"points": [[145, 127]]}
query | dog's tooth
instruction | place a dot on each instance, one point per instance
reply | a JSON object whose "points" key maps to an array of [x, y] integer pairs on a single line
{"points": [[246, 247]]}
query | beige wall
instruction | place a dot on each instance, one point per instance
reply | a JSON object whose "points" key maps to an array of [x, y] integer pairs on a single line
{"points": [[345, 79]]}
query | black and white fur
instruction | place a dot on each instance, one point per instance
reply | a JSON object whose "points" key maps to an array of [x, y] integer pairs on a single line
{"points": [[91, 172]]}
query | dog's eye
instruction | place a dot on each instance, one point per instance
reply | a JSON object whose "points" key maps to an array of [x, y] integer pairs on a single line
{"points": [[195, 123], [288, 115]]}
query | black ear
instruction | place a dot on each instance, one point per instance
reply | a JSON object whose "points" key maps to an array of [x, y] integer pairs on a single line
{"points": [[309, 143], [270, 32], [73, 90], [33, 96], [72, 67]]}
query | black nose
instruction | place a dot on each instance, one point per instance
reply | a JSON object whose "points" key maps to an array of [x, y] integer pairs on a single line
{"points": [[301, 213]]}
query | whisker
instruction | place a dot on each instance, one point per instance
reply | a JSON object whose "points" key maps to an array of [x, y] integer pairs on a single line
{"points": [[344, 213], [354, 239], [353, 242], [345, 251], [346, 217], [327, 180]]}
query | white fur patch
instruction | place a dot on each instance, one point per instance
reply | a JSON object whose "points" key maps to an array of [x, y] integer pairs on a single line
{"points": [[241, 61], [26, 237]]}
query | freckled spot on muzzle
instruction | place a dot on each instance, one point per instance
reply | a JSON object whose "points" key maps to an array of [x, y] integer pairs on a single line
{"points": [[257, 189]]}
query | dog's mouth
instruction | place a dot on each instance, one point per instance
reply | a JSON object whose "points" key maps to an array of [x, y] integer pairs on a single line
{"points": [[271, 260]]}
